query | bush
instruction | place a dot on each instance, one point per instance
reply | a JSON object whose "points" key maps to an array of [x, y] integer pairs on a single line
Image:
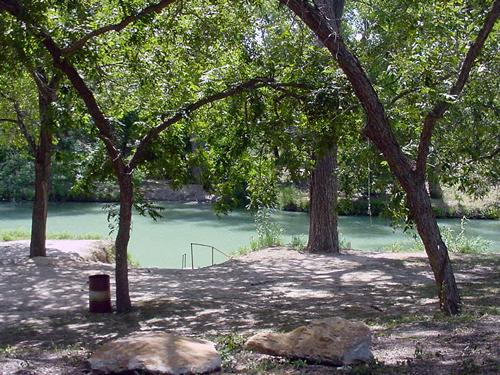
{"points": [[269, 233]]}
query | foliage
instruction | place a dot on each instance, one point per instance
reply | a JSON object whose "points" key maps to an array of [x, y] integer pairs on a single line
{"points": [[16, 175], [142, 206], [292, 199]]}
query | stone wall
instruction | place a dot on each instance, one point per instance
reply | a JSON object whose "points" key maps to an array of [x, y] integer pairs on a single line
{"points": [[160, 190]]}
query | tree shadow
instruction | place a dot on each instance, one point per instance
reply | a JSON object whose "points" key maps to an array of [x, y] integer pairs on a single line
{"points": [[45, 302]]}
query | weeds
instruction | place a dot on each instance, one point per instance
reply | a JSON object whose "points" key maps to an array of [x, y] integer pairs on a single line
{"points": [[460, 242], [456, 241], [109, 256], [268, 233], [227, 346]]}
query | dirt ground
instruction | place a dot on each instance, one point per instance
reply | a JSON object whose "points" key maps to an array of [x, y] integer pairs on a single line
{"points": [[45, 327]]}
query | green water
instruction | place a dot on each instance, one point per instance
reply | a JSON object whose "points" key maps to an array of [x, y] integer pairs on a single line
{"points": [[162, 243]]}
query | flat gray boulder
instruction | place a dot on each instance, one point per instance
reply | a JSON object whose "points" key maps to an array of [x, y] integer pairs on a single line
{"points": [[333, 341], [158, 353]]}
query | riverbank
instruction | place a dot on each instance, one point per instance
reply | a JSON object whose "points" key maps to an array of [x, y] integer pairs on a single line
{"points": [[291, 199], [454, 204], [45, 327]]}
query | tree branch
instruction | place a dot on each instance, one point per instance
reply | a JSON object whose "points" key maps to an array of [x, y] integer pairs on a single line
{"points": [[19, 121], [24, 130], [78, 44], [489, 156], [8, 120], [377, 127], [402, 94], [101, 122], [185, 111], [441, 107]]}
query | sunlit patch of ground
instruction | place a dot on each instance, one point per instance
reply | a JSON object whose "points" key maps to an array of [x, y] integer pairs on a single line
{"points": [[45, 327]]}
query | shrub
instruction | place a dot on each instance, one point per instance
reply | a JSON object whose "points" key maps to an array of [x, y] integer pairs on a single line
{"points": [[269, 233]]}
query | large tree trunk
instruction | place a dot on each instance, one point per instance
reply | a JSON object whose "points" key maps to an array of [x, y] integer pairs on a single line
{"points": [[323, 234], [123, 304], [42, 181], [437, 252]]}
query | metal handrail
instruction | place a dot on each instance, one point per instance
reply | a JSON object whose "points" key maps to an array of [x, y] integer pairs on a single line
{"points": [[213, 248]]}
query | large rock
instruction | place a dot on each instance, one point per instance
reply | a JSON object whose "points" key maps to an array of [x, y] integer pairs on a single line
{"points": [[158, 353], [333, 341]]}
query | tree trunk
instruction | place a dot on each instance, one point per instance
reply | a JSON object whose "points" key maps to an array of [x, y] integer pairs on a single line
{"points": [[378, 129], [323, 235], [42, 177], [437, 252], [123, 304]]}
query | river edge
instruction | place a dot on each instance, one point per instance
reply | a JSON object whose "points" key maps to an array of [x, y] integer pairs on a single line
{"points": [[44, 325], [453, 205]]}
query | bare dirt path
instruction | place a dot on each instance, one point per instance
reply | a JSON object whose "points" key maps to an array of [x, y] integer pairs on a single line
{"points": [[45, 327]]}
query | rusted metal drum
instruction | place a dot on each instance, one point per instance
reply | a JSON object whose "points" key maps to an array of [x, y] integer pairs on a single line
{"points": [[99, 294]]}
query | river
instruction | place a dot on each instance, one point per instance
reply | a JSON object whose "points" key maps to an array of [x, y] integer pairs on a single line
{"points": [[162, 243]]}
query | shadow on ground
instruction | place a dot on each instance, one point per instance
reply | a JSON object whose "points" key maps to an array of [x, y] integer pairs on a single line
{"points": [[44, 305]]}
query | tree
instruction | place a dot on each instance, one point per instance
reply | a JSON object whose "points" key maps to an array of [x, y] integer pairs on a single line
{"points": [[124, 158], [40, 146], [285, 126], [378, 129]]}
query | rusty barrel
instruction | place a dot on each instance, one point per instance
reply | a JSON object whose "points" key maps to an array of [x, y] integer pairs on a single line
{"points": [[99, 294]]}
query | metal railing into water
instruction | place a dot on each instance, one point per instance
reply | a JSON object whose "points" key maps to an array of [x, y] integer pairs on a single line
{"points": [[212, 248]]}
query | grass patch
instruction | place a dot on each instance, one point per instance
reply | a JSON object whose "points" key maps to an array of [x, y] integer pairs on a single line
{"points": [[24, 234], [457, 241], [298, 243]]}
